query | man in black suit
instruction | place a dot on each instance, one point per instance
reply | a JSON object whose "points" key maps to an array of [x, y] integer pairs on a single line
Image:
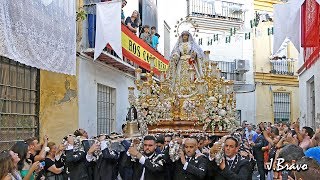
{"points": [[191, 166], [233, 165], [149, 164], [258, 153]]}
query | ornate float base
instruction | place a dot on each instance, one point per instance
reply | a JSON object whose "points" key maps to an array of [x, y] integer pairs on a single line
{"points": [[183, 127]]}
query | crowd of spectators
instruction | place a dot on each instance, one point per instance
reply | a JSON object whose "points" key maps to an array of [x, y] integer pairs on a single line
{"points": [[288, 141], [133, 22], [276, 151]]}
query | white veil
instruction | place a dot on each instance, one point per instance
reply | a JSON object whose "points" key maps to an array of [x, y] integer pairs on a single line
{"points": [[194, 46]]}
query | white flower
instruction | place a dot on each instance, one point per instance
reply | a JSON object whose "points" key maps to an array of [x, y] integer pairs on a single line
{"points": [[208, 120], [227, 121], [212, 99], [222, 112]]}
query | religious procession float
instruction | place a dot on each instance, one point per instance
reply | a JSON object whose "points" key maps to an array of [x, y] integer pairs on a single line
{"points": [[190, 97]]}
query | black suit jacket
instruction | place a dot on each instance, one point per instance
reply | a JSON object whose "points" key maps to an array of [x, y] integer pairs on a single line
{"points": [[75, 164], [106, 166], [168, 165], [154, 167], [239, 171], [257, 148], [196, 169]]}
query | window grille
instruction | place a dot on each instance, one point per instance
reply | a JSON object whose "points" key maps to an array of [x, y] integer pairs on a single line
{"points": [[281, 107], [19, 102], [105, 109]]}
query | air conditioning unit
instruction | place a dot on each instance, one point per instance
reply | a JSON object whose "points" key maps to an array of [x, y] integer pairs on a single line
{"points": [[242, 65]]}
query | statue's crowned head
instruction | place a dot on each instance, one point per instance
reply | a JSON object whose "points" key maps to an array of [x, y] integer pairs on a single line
{"points": [[185, 36]]}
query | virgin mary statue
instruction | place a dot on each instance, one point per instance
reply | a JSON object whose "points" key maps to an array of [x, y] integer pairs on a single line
{"points": [[185, 64]]}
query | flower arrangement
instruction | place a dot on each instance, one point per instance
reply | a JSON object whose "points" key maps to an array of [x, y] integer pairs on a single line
{"points": [[174, 151], [218, 116], [189, 106]]}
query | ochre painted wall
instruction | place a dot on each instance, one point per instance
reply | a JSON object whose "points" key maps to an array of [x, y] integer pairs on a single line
{"points": [[268, 83], [265, 5], [58, 105], [263, 49], [264, 101]]}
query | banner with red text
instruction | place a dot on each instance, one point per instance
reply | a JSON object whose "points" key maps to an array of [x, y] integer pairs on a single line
{"points": [[138, 51]]}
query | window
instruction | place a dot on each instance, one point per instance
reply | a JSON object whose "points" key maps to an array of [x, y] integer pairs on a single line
{"points": [[19, 102], [281, 107], [228, 71], [311, 102], [105, 109]]}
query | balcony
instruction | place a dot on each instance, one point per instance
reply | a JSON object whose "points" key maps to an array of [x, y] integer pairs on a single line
{"points": [[136, 52], [218, 15], [229, 71], [282, 67]]}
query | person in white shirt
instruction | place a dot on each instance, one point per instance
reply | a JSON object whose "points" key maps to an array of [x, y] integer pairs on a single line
{"points": [[149, 164], [250, 132], [233, 165]]}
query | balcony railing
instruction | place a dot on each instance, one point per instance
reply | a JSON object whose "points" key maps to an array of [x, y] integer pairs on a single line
{"points": [[282, 67], [228, 71], [217, 9]]}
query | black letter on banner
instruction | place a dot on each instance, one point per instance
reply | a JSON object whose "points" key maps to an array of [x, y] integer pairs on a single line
{"points": [[130, 45], [134, 50], [144, 56], [138, 51]]}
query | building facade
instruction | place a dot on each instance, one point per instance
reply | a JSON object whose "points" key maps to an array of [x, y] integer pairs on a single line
{"points": [[275, 73], [309, 83], [309, 68]]}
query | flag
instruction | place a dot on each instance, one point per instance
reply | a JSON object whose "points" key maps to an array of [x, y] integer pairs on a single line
{"points": [[310, 12], [108, 28]]}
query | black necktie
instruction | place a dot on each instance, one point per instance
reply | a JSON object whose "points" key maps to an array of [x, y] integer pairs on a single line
{"points": [[188, 159], [230, 162]]}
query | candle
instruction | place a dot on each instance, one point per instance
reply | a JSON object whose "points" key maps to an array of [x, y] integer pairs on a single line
{"points": [[192, 73], [161, 76], [138, 73], [218, 73], [151, 63], [206, 53], [201, 87]]}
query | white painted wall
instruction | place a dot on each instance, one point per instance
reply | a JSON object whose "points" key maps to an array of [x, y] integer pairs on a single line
{"points": [[305, 117], [90, 74]]}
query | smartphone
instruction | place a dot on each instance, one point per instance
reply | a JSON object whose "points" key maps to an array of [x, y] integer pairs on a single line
{"points": [[87, 143], [42, 164]]}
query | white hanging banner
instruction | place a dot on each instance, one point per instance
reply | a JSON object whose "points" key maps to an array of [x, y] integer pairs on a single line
{"points": [[294, 27], [108, 28], [281, 13], [39, 33], [287, 23]]}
